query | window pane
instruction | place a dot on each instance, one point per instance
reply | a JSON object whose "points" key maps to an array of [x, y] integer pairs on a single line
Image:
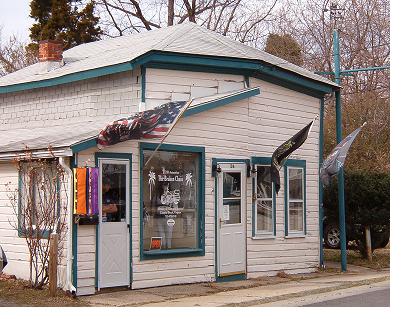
{"points": [[231, 213], [263, 182], [264, 216], [295, 183], [232, 185], [113, 192], [295, 216], [170, 200]]}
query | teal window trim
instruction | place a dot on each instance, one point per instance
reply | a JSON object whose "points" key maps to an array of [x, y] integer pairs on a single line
{"points": [[294, 163], [128, 157], [175, 253], [44, 233], [262, 161], [215, 161], [193, 62]]}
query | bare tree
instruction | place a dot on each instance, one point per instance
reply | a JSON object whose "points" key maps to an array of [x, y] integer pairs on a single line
{"points": [[14, 55], [40, 205], [364, 33], [243, 20]]}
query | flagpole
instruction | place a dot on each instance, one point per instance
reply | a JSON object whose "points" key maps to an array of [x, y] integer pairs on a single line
{"points": [[168, 132]]}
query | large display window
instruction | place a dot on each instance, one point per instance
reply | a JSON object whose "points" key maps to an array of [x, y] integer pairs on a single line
{"points": [[171, 201]]}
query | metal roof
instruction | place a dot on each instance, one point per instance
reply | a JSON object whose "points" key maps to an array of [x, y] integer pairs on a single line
{"points": [[185, 38]]}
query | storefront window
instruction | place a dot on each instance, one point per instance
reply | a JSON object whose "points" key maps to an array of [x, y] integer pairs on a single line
{"points": [[170, 200]]}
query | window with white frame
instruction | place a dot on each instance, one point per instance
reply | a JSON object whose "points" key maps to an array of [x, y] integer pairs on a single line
{"points": [[295, 207], [264, 201]]}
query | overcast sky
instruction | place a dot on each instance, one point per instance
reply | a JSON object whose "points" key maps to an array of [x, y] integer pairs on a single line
{"points": [[14, 18]]}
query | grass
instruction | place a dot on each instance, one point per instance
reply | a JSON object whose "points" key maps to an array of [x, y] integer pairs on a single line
{"points": [[19, 292], [381, 258]]}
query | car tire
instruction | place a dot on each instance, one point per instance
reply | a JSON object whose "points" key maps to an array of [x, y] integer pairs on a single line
{"points": [[332, 236]]}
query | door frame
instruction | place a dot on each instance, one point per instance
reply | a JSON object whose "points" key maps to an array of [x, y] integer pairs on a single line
{"points": [[128, 158], [215, 162]]}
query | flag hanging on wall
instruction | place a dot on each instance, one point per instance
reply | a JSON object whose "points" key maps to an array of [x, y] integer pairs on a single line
{"points": [[282, 152], [86, 191], [337, 157], [153, 123]]}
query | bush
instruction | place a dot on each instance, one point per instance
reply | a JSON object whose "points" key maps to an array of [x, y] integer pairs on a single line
{"points": [[367, 203]]}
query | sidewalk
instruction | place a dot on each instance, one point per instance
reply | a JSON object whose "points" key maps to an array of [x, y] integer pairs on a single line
{"points": [[252, 292]]}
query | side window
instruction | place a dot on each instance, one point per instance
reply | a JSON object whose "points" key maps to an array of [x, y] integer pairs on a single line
{"points": [[264, 203], [295, 198], [38, 197]]}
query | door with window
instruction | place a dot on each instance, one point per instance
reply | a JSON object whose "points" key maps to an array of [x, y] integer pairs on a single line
{"points": [[113, 254], [231, 248]]}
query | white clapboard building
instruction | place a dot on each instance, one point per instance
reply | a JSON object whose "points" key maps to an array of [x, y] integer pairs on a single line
{"points": [[204, 208]]}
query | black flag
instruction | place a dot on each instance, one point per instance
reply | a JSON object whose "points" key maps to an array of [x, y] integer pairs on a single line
{"points": [[283, 152]]}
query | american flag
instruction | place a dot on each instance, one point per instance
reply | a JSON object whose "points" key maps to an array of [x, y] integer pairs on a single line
{"points": [[149, 124]]}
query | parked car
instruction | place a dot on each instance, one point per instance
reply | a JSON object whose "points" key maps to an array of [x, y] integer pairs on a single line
{"points": [[380, 235]]}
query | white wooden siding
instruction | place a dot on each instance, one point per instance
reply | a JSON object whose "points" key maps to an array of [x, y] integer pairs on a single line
{"points": [[14, 246]]}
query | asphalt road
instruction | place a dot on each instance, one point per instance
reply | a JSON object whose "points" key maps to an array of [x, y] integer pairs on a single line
{"points": [[377, 298]]}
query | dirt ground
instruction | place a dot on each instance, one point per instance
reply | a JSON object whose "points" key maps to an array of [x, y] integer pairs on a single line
{"points": [[15, 292], [381, 258]]}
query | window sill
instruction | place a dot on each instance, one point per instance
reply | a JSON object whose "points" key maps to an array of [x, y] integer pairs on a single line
{"points": [[301, 235], [173, 253], [266, 236]]}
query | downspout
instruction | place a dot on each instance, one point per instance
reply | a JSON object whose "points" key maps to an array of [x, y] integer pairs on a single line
{"points": [[68, 285]]}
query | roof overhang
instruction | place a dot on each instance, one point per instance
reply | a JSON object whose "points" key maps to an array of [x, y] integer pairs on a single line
{"points": [[193, 62]]}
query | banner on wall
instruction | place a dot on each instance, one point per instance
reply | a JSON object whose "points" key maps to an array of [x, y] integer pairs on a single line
{"points": [[86, 202]]}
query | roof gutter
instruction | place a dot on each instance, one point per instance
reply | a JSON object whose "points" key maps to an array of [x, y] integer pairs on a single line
{"points": [[207, 63], [60, 152]]}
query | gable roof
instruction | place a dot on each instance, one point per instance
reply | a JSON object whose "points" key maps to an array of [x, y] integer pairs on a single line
{"points": [[120, 54]]}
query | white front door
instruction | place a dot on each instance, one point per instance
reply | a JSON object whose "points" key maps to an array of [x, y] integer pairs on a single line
{"points": [[113, 254], [231, 248]]}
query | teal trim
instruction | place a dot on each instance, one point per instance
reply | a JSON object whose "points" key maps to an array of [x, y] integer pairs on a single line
{"points": [[74, 242], [246, 79], [221, 102], [173, 253], [69, 78], [216, 227], [143, 88], [262, 161], [200, 251], [128, 157], [84, 145], [216, 161], [232, 278], [321, 209], [192, 62], [301, 164]]}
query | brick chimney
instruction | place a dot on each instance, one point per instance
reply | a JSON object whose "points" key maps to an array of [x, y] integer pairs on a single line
{"points": [[50, 50]]}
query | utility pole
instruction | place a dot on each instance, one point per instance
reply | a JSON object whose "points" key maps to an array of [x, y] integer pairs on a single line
{"points": [[336, 13]]}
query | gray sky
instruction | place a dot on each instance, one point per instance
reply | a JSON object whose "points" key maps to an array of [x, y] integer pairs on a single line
{"points": [[14, 18]]}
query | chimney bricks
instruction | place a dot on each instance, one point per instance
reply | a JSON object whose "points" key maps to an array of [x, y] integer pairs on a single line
{"points": [[50, 50]]}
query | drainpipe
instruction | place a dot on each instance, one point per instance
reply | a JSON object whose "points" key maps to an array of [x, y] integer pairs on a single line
{"points": [[68, 285]]}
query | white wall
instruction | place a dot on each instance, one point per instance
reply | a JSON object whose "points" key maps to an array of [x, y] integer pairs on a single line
{"points": [[71, 103], [253, 127]]}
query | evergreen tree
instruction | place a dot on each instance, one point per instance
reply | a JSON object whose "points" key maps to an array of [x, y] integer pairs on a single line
{"points": [[62, 20]]}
